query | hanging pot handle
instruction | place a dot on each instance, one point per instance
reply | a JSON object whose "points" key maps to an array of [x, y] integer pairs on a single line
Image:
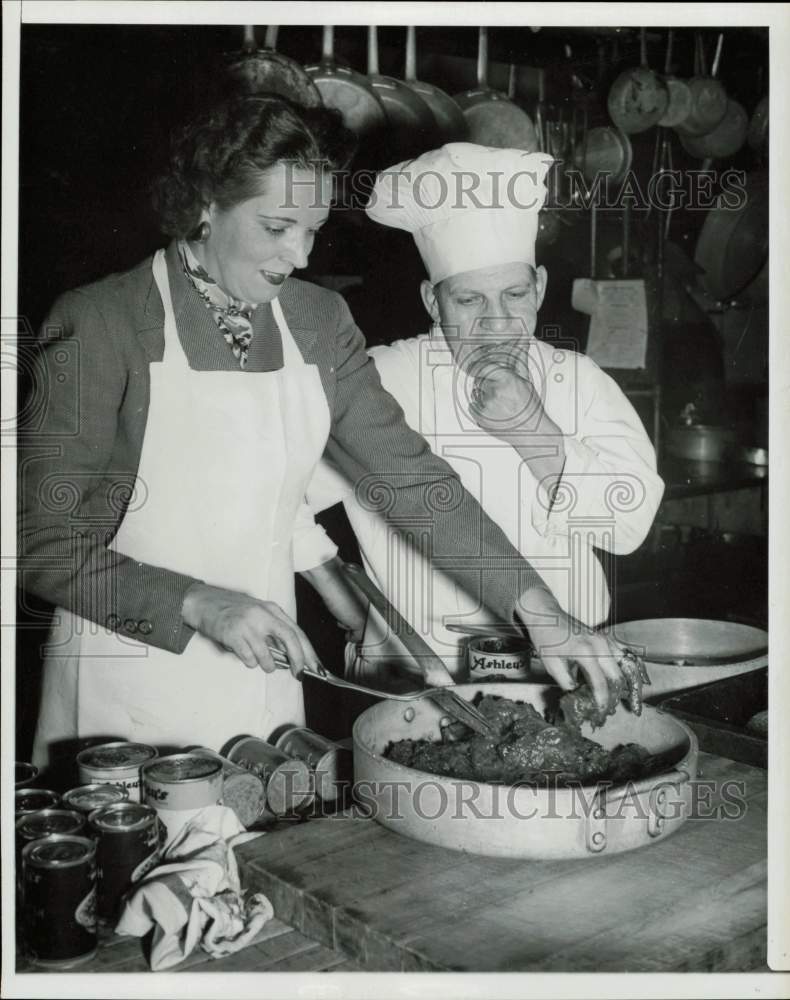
{"points": [[668, 57], [328, 44], [270, 39], [373, 51], [643, 47], [714, 70], [249, 45], [411, 53], [482, 58]]}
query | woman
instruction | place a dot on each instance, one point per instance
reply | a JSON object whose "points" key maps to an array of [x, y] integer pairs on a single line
{"points": [[200, 390]]}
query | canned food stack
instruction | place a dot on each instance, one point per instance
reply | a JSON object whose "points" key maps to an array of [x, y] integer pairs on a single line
{"points": [[288, 782], [331, 766], [179, 786]]}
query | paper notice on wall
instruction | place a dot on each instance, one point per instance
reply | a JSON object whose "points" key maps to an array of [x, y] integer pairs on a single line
{"points": [[618, 320]]}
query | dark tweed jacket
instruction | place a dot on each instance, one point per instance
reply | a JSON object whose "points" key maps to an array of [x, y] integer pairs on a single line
{"points": [[81, 444]]}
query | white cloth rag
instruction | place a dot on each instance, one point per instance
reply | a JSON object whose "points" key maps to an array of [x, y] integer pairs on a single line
{"points": [[194, 896]]}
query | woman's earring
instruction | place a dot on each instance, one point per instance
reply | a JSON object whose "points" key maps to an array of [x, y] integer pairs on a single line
{"points": [[202, 233]]}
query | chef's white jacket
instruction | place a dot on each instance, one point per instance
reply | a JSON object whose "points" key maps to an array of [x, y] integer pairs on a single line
{"points": [[607, 495]]}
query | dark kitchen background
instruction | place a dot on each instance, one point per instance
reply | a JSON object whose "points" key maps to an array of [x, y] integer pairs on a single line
{"points": [[98, 103]]}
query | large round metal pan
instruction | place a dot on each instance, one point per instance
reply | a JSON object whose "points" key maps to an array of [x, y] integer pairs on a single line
{"points": [[347, 91], [492, 118], [722, 141], [266, 71], [411, 124], [450, 123], [733, 243], [606, 151], [697, 647], [519, 822]]}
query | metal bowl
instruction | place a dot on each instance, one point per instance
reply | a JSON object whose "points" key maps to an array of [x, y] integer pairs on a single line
{"points": [[519, 822]]}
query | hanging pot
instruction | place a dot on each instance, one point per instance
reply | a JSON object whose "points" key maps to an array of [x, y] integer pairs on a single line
{"points": [[607, 151], [724, 140], [266, 71], [449, 120], [733, 244], [708, 96], [757, 135], [347, 91], [493, 119], [410, 122], [638, 97], [679, 106]]}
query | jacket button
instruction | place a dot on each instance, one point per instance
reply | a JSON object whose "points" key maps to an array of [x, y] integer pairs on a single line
{"points": [[113, 621], [144, 627], [130, 625]]}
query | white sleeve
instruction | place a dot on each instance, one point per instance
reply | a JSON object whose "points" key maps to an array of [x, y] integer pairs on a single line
{"points": [[311, 544], [609, 490]]}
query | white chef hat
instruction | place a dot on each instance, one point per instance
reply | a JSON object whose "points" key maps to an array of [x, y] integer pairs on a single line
{"points": [[467, 206]]}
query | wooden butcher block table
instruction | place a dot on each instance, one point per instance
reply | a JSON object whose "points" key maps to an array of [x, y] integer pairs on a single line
{"points": [[695, 901]]}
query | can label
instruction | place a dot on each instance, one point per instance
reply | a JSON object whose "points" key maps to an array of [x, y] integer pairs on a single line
{"points": [[501, 659], [182, 781], [116, 764]]}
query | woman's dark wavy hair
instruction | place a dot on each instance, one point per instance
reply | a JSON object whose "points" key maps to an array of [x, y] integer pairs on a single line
{"points": [[219, 156]]}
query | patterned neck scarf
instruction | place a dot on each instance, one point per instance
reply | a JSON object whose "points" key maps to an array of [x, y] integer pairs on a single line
{"points": [[232, 316]]}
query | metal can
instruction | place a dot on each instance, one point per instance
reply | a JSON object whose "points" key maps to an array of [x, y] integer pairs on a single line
{"points": [[288, 782], [179, 786], [31, 800], [115, 764], [500, 659], [331, 765], [242, 791], [128, 845], [60, 900], [42, 823], [24, 774], [88, 798]]}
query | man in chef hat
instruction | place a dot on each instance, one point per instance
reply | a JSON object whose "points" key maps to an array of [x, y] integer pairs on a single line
{"points": [[546, 442]]}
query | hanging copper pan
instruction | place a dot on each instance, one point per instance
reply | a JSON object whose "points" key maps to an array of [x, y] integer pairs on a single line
{"points": [[493, 119], [266, 71], [639, 97], [708, 96], [410, 122], [724, 140], [450, 123], [757, 136], [347, 91]]}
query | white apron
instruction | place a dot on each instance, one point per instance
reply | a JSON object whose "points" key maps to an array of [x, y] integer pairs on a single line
{"points": [[224, 466]]}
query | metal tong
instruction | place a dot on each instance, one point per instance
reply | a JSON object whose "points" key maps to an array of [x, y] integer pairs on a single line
{"points": [[431, 668], [447, 700]]}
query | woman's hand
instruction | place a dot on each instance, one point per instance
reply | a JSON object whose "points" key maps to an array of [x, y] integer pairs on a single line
{"points": [[561, 641], [245, 625]]}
